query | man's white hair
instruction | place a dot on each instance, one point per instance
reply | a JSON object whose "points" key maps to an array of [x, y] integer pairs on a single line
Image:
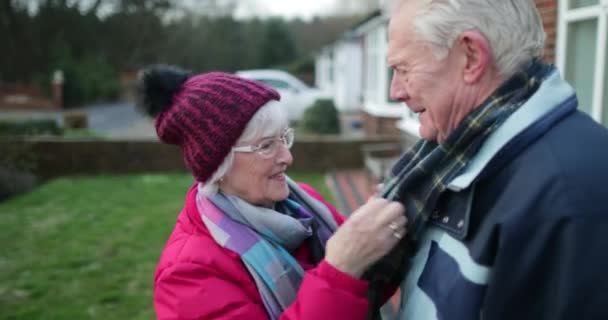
{"points": [[513, 28], [267, 121]]}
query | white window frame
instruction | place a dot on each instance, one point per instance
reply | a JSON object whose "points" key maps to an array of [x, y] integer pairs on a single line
{"points": [[322, 74], [377, 102], [372, 62], [567, 16]]}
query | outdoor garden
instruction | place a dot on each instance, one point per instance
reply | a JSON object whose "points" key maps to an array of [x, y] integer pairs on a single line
{"points": [[84, 215], [86, 247]]}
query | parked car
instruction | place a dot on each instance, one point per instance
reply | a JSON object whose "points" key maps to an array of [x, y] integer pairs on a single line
{"points": [[296, 96]]}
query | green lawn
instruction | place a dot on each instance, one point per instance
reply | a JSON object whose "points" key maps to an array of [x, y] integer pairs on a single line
{"points": [[87, 247]]}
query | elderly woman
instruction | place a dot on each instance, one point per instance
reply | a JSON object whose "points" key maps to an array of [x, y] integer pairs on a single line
{"points": [[249, 242]]}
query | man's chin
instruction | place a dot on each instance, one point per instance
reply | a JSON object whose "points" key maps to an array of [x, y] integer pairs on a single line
{"points": [[428, 135]]}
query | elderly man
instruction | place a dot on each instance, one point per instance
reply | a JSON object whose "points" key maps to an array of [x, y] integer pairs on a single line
{"points": [[506, 192]]}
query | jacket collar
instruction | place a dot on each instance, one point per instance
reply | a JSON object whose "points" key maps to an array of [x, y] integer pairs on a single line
{"points": [[553, 100], [190, 218], [551, 93]]}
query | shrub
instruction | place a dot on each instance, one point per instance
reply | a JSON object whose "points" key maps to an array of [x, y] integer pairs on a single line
{"points": [[302, 65], [30, 128], [75, 120], [86, 80], [321, 118], [17, 161]]}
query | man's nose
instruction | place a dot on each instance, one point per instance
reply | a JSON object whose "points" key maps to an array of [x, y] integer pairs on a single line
{"points": [[398, 91]]}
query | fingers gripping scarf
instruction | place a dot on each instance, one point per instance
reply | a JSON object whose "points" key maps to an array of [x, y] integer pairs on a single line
{"points": [[262, 238]]}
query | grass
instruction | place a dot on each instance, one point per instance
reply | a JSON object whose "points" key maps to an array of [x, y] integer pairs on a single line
{"points": [[87, 247], [82, 133]]}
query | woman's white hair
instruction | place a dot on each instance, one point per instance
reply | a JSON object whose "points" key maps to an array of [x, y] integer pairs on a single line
{"points": [[269, 120], [513, 28]]}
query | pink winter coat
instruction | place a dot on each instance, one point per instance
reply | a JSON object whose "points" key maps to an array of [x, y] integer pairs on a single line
{"points": [[198, 279]]}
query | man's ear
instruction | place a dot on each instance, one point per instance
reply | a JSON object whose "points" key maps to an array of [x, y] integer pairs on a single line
{"points": [[477, 54]]}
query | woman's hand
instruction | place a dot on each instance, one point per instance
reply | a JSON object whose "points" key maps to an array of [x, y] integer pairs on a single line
{"points": [[368, 234]]}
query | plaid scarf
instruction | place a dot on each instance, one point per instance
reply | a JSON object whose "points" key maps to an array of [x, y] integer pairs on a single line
{"points": [[423, 173], [262, 238]]}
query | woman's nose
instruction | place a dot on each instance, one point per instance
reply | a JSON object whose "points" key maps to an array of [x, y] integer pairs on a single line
{"points": [[284, 156]]}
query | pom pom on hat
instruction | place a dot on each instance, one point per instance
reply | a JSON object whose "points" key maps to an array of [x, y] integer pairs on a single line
{"points": [[156, 87]]}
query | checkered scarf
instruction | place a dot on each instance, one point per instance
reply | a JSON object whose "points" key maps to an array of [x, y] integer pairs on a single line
{"points": [[422, 174], [262, 238]]}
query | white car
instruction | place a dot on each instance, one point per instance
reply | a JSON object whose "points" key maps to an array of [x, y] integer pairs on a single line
{"points": [[296, 96]]}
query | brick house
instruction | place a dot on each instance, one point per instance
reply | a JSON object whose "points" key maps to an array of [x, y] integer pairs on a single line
{"points": [[581, 50], [19, 97]]}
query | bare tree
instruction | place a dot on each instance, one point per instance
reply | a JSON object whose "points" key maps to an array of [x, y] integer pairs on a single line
{"points": [[211, 8], [350, 7]]}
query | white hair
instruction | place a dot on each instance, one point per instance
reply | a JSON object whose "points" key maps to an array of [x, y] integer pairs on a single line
{"points": [[513, 28], [267, 121]]}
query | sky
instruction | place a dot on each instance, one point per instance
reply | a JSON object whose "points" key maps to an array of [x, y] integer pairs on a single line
{"points": [[305, 9]]}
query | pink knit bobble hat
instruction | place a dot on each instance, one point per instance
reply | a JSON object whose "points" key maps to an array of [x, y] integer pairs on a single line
{"points": [[204, 114]]}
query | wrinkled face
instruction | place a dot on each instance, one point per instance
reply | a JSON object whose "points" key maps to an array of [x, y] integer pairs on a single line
{"points": [[259, 180], [427, 85]]}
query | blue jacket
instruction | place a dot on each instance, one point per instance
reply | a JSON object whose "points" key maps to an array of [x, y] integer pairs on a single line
{"points": [[523, 233]]}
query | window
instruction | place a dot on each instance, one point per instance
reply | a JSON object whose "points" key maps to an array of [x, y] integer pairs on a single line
{"points": [[373, 55], [377, 102], [332, 63], [582, 53], [575, 4], [389, 80], [275, 83], [605, 91]]}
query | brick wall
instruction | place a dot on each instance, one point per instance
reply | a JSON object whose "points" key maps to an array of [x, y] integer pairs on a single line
{"points": [[51, 158], [548, 11], [24, 98]]}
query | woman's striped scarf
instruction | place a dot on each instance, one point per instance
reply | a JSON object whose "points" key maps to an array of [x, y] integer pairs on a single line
{"points": [[423, 173], [262, 238]]}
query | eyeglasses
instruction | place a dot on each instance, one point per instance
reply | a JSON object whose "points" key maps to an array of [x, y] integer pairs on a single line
{"points": [[269, 147]]}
